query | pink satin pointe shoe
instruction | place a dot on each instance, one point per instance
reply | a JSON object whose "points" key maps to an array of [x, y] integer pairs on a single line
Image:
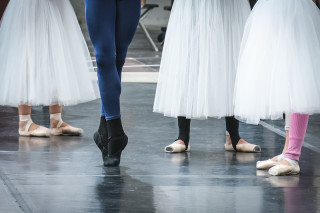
{"points": [[246, 147], [38, 132], [267, 164], [66, 130], [283, 169], [177, 147]]}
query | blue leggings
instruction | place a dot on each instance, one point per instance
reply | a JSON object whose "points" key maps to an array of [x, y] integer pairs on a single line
{"points": [[112, 25]]}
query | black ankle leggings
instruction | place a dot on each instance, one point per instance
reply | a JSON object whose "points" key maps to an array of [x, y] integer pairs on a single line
{"points": [[232, 126]]}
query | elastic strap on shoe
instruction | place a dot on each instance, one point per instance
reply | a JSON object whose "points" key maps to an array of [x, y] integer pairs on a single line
{"points": [[281, 157], [292, 162], [57, 117], [26, 118]]}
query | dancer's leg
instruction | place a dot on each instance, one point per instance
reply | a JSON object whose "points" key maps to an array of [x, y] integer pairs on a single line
{"points": [[111, 25], [287, 129], [182, 143], [184, 130], [101, 20], [267, 164], [299, 124], [298, 128]]}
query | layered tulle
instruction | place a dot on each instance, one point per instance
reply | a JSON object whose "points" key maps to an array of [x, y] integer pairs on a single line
{"points": [[279, 61], [199, 59], [44, 59]]}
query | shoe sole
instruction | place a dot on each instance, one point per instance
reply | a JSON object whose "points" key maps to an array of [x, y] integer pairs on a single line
{"points": [[56, 132], [276, 173], [256, 149]]}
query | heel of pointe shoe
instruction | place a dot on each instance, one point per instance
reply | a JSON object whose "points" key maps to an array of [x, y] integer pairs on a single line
{"points": [[39, 132], [24, 133]]}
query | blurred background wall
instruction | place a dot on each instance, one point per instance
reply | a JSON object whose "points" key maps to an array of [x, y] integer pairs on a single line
{"points": [[158, 17]]}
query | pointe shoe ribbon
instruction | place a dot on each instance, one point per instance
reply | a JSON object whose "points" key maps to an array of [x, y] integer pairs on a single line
{"points": [[282, 169], [38, 132], [66, 130], [176, 147], [267, 164]]}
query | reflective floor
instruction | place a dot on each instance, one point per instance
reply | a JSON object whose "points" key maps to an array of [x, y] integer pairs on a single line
{"points": [[65, 174]]}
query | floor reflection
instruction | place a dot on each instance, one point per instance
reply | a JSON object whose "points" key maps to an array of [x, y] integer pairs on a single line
{"points": [[238, 157], [119, 192]]}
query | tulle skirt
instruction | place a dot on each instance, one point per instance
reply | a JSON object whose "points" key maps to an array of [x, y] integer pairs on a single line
{"points": [[279, 64], [200, 56], [44, 59]]}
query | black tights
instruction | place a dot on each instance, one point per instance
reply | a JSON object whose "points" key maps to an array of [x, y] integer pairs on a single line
{"points": [[232, 126]]}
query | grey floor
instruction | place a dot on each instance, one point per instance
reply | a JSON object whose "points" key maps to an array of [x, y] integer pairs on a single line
{"points": [[65, 174]]}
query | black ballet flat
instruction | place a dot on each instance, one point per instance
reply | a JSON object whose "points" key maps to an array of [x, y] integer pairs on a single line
{"points": [[111, 152]]}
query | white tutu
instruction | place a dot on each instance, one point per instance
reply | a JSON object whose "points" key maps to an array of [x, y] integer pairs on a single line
{"points": [[199, 60], [279, 64], [44, 59]]}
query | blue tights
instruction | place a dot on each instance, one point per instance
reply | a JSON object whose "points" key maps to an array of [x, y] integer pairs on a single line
{"points": [[112, 25]]}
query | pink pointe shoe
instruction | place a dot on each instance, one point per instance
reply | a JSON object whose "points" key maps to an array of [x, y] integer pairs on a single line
{"points": [[59, 129], [38, 132], [246, 147], [66, 130], [267, 164], [177, 147], [284, 169]]}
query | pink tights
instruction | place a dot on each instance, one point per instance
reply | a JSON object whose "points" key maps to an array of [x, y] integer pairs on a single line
{"points": [[298, 128]]}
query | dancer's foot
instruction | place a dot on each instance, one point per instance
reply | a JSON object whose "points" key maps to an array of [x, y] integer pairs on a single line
{"points": [[112, 149], [59, 128], [285, 167], [177, 146], [267, 164], [29, 129], [242, 145]]}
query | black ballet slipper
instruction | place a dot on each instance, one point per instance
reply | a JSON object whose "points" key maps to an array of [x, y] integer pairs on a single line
{"points": [[111, 152]]}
